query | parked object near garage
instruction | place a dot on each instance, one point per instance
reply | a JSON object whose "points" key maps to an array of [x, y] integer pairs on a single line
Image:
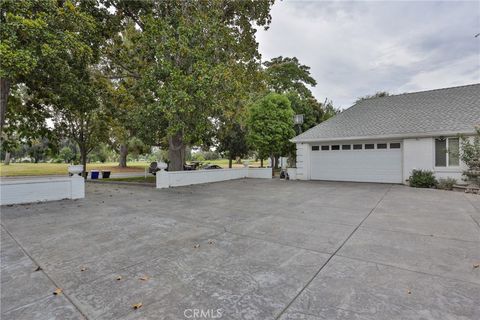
{"points": [[212, 166], [106, 174], [94, 174]]}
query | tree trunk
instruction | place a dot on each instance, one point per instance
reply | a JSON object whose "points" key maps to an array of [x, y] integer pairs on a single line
{"points": [[4, 92], [277, 160], [83, 159], [176, 152], [230, 162], [7, 158], [261, 163], [272, 159], [123, 156]]}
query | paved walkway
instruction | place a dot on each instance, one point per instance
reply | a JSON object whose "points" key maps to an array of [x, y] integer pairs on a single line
{"points": [[245, 249]]}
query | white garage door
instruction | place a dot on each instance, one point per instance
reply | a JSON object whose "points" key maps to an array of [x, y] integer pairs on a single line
{"points": [[364, 162]]}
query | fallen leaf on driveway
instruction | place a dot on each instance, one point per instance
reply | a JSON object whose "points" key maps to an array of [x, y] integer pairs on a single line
{"points": [[196, 246], [211, 242], [119, 278], [39, 268], [57, 291], [144, 278], [476, 265], [137, 305], [83, 269], [409, 292]]}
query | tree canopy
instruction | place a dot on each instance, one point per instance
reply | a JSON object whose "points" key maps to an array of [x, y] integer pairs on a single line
{"points": [[270, 125], [288, 74], [378, 94]]}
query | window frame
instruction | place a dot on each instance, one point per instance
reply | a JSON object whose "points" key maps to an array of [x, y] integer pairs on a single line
{"points": [[399, 144], [315, 148], [355, 146], [325, 147], [384, 146], [335, 145], [447, 153], [369, 144], [346, 147]]}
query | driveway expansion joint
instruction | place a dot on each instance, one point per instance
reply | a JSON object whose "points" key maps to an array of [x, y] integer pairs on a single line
{"points": [[43, 272], [334, 254]]}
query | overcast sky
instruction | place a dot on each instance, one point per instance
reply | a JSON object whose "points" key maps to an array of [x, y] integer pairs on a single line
{"points": [[359, 48]]}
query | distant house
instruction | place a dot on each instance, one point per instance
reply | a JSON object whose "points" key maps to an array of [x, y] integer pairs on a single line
{"points": [[384, 139]]}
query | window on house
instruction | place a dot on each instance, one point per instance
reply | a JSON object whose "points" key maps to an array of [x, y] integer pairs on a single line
{"points": [[395, 145], [447, 152], [369, 146], [346, 147], [315, 148], [325, 148], [357, 147], [381, 146], [336, 147]]}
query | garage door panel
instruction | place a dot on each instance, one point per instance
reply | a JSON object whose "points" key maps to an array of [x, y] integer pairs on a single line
{"points": [[357, 165]]}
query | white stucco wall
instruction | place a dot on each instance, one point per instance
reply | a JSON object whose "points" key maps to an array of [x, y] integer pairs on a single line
{"points": [[167, 179], [303, 161], [14, 191], [419, 153]]}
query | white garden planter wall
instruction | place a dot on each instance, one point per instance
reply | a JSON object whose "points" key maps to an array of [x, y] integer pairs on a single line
{"points": [[292, 173], [14, 191], [167, 179]]}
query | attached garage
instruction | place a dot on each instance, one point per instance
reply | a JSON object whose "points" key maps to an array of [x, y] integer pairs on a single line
{"points": [[364, 162], [384, 139]]}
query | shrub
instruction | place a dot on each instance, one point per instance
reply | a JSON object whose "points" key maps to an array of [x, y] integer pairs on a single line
{"points": [[198, 157], [422, 179], [446, 184]]}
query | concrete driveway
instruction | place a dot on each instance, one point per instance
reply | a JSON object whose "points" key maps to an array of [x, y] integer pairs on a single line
{"points": [[245, 249]]}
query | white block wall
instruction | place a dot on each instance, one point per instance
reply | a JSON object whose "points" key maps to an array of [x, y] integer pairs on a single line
{"points": [[14, 191], [167, 179]]}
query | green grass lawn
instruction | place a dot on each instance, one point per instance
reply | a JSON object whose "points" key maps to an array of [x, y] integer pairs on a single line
{"points": [[43, 169]]}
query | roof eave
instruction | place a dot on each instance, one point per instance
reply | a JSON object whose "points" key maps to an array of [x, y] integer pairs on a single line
{"points": [[389, 136]]}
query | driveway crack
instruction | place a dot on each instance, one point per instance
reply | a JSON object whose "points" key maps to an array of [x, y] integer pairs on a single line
{"points": [[334, 254], [43, 271]]}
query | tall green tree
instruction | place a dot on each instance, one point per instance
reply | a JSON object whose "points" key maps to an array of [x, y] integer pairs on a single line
{"points": [[39, 38], [270, 125], [287, 75], [379, 94], [233, 141], [198, 55], [52, 49]]}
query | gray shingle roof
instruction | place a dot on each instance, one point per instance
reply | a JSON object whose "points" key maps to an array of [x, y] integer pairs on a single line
{"points": [[452, 110]]}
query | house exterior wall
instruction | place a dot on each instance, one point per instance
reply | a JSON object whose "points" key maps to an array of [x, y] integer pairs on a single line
{"points": [[303, 161], [419, 153]]}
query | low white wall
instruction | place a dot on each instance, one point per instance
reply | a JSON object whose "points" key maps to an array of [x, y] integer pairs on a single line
{"points": [[19, 190], [260, 173], [167, 179]]}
